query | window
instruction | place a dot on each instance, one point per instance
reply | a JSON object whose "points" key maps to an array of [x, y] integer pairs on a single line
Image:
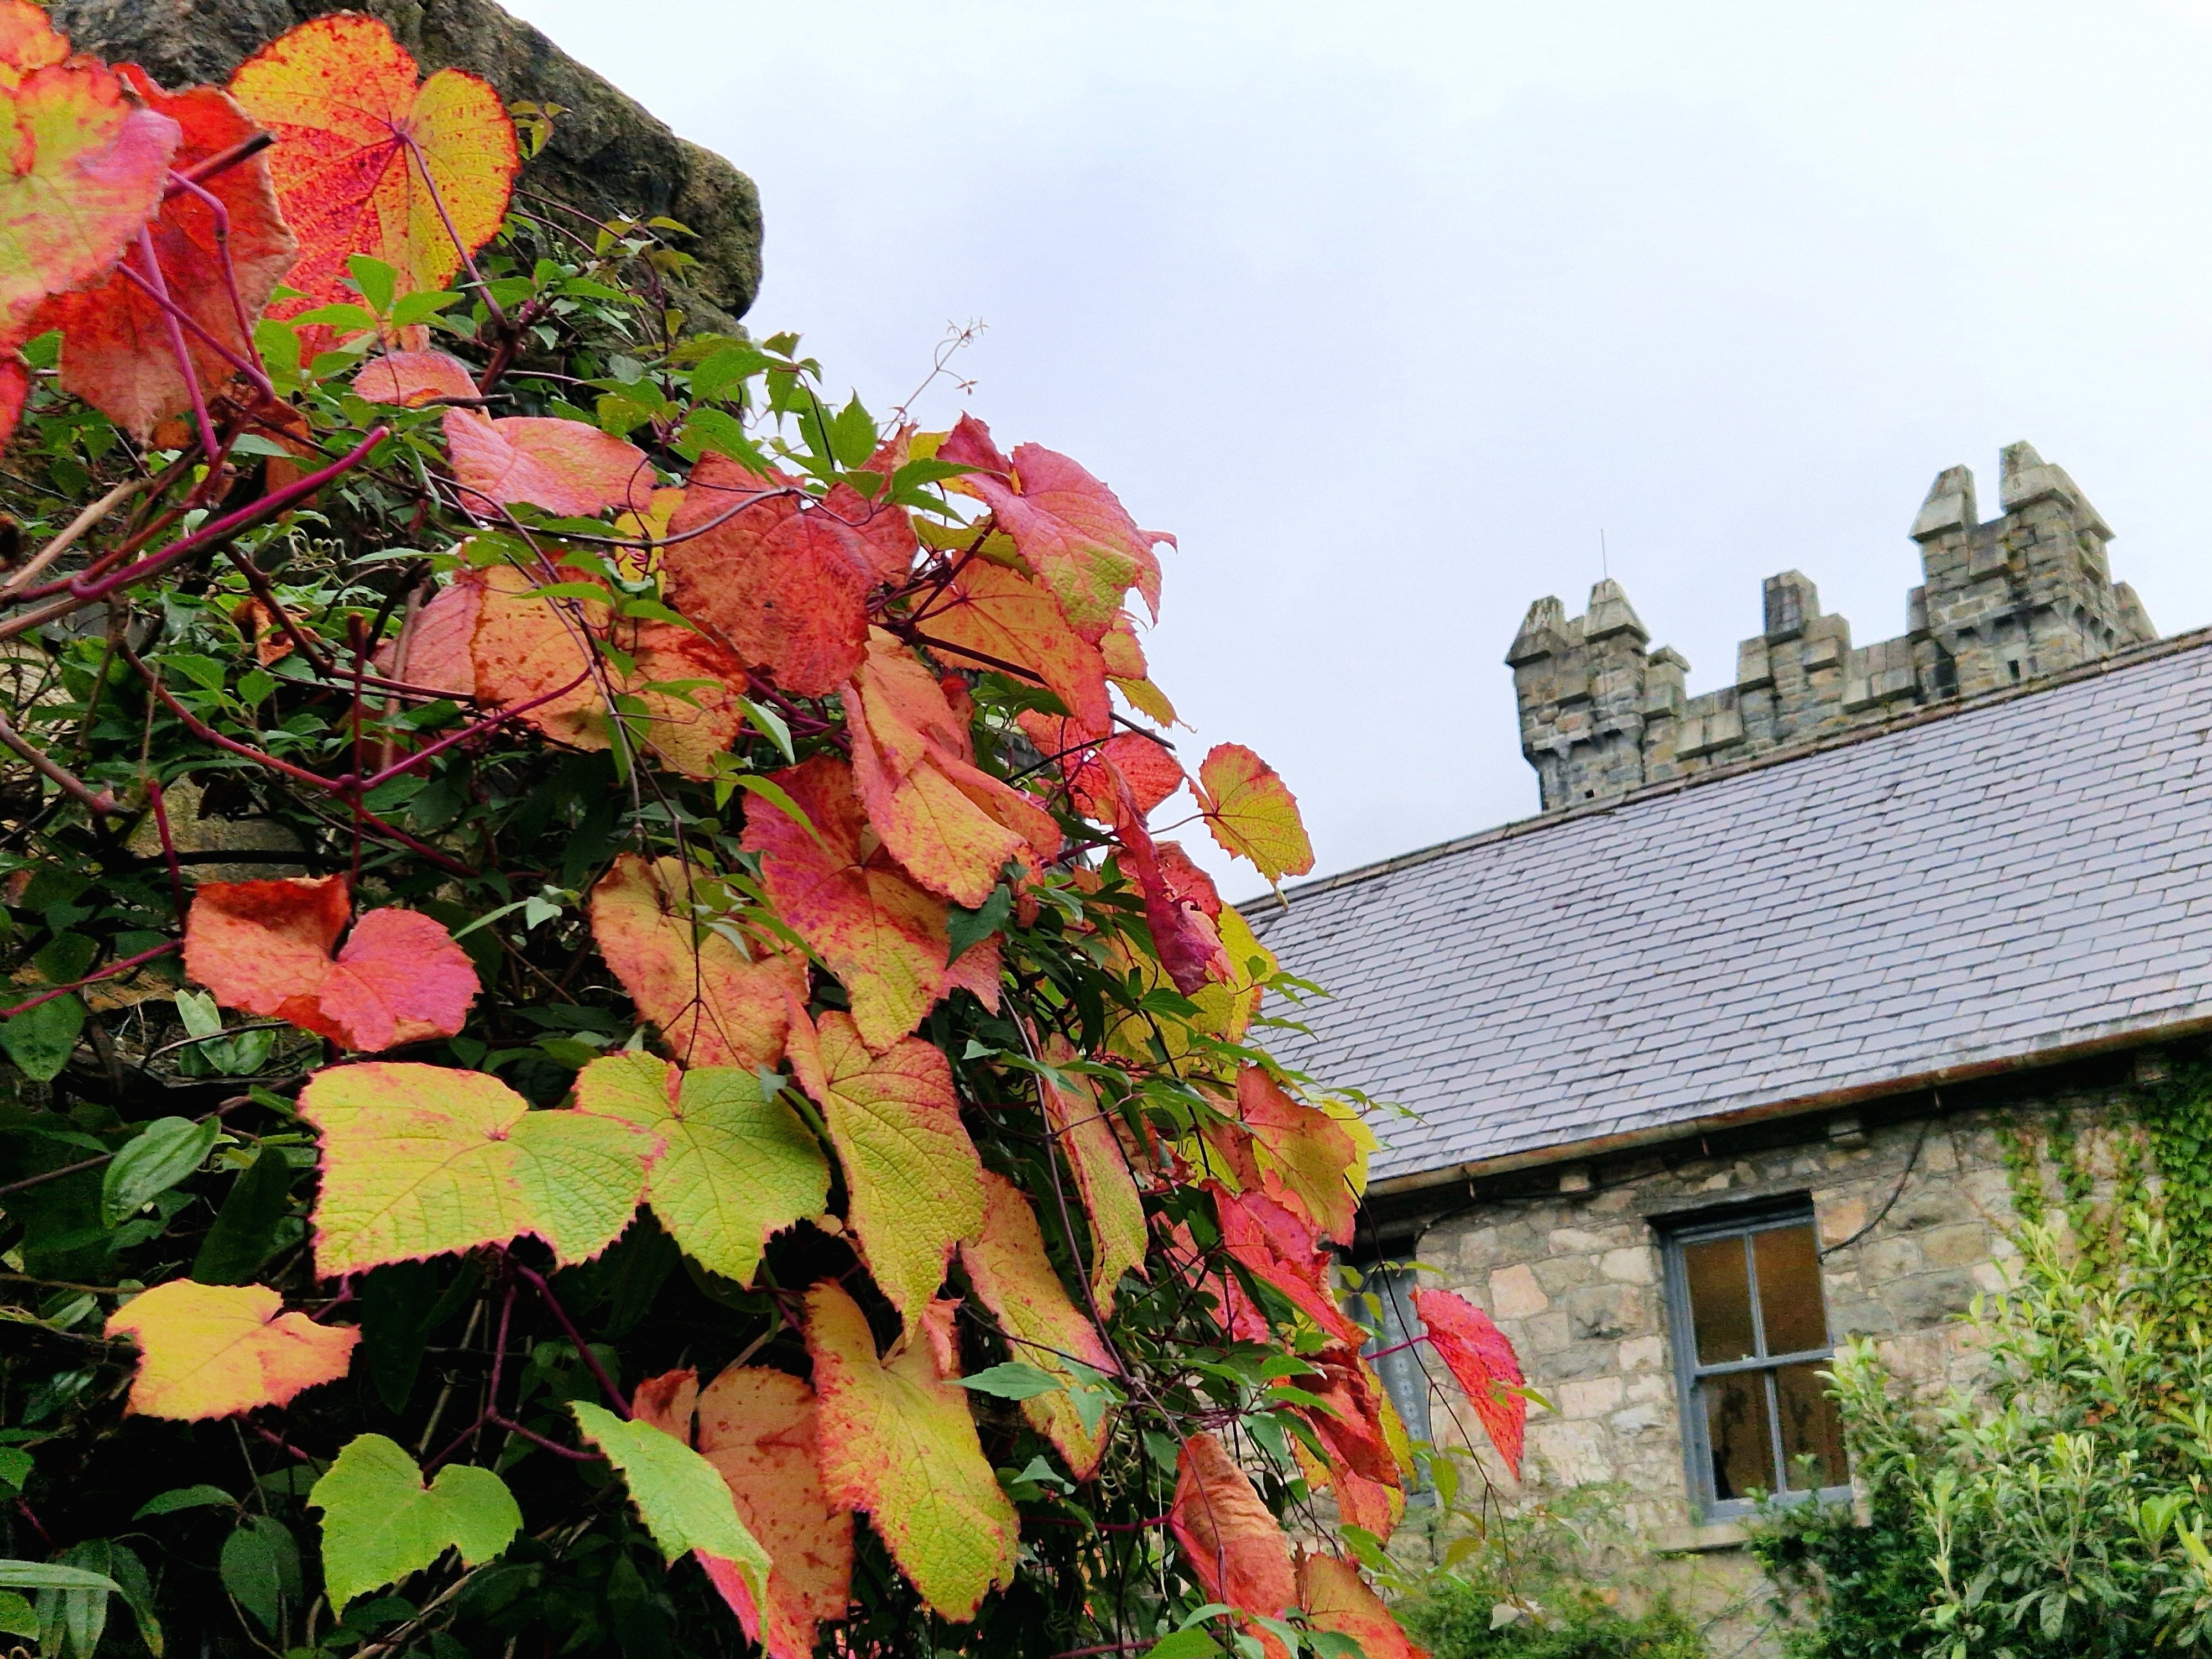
{"points": [[1750, 1338], [1404, 1373]]}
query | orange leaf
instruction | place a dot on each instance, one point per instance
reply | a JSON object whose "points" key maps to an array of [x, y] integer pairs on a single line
{"points": [[666, 1401], [1251, 812], [1305, 1155], [434, 649], [1280, 1248], [714, 1007], [898, 1442], [977, 970], [783, 578], [527, 646], [365, 158], [1004, 615], [1007, 1264], [218, 1350], [1070, 527], [762, 1430], [883, 936], [1085, 1132], [411, 379], [1234, 1547], [1336, 1598], [913, 1182], [265, 946], [1352, 1430], [564, 467], [117, 353], [1483, 1360], [86, 165]]}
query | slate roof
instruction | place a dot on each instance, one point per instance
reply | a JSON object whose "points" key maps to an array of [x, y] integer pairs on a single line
{"points": [[2023, 877]]}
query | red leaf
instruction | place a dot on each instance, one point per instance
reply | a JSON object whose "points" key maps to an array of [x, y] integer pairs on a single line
{"points": [[784, 580], [1279, 1247], [117, 353], [1233, 1546], [1004, 616], [411, 379], [265, 946], [434, 649], [1352, 1432], [1183, 936], [1306, 1155], [1483, 1360], [563, 466]]}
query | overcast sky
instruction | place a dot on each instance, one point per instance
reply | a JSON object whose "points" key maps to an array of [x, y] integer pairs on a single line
{"points": [[1388, 310]]}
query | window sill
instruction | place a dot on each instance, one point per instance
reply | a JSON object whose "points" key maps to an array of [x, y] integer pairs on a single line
{"points": [[1702, 1540]]}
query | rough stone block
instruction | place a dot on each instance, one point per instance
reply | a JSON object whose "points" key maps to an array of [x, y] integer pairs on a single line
{"points": [[1591, 1397], [1514, 1294], [1635, 1265]]}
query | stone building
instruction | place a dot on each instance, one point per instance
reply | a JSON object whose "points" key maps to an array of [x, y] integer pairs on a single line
{"points": [[1708, 1062]]}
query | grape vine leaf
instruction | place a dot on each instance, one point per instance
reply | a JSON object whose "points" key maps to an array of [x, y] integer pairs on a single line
{"points": [[667, 1401], [1071, 529], [1279, 1247], [217, 1350], [1184, 937], [381, 1522], [368, 162], [681, 1498], [913, 1181], [1483, 1361], [265, 946], [762, 1430], [1010, 620], [882, 935], [1336, 1598], [1084, 1131], [564, 467], [434, 649], [1252, 813], [1232, 1544], [86, 165], [1007, 1264], [1147, 766], [117, 352], [411, 379], [898, 1442], [420, 1160], [733, 1169], [1304, 1155]]}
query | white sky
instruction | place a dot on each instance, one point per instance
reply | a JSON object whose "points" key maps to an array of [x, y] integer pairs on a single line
{"points": [[1386, 309]]}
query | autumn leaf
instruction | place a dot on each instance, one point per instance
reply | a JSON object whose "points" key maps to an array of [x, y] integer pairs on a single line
{"points": [[897, 1441], [1070, 528], [1252, 814], [637, 563], [218, 1350], [117, 350], [1483, 1361], [87, 163], [953, 826], [411, 379], [420, 1160], [679, 1497], [381, 1522], [1351, 1427], [733, 1169], [1337, 1599], [434, 649], [912, 1175], [781, 579], [714, 1007], [667, 1401], [882, 935], [1304, 1155], [1232, 1544], [1083, 1130], [762, 1431], [1183, 937], [265, 946], [564, 467], [530, 649], [1281, 1248], [1007, 1264], [1010, 620], [368, 162]]}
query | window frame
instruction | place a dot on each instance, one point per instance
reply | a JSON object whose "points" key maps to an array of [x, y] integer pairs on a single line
{"points": [[1676, 1234]]}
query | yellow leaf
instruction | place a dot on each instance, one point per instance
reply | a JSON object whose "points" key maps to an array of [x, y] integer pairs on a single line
{"points": [[1252, 813], [218, 1350]]}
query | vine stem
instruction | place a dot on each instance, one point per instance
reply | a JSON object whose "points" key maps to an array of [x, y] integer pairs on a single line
{"points": [[108, 972], [537, 1282], [157, 285], [70, 534]]}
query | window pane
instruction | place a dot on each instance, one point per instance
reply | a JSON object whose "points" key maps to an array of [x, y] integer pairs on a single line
{"points": [[1810, 1428], [1789, 1290], [1720, 1300], [1405, 1373], [1737, 1429]]}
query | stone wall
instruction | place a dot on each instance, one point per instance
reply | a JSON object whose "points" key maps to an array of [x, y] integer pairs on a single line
{"points": [[1566, 1259], [2027, 594]]}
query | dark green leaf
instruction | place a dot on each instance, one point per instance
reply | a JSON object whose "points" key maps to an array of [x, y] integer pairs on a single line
{"points": [[40, 1040], [165, 1152], [245, 1230]]}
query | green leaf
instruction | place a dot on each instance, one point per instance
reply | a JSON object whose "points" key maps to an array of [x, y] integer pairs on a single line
{"points": [[253, 1568], [373, 280], [16, 1616], [63, 961], [15, 1466], [1183, 1645], [40, 1040], [729, 366], [349, 319], [1011, 1381], [52, 1575], [182, 1497], [771, 725], [719, 430], [166, 1151], [380, 1523], [246, 1230], [679, 1495], [253, 443], [852, 435], [965, 927]]}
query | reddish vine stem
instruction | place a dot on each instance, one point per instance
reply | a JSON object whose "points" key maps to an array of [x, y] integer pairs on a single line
{"points": [[100, 803], [157, 286], [229, 272], [222, 161], [537, 1282], [177, 317], [108, 972]]}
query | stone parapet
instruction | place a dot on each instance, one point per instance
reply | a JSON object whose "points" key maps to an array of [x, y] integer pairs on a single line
{"points": [[2027, 595]]}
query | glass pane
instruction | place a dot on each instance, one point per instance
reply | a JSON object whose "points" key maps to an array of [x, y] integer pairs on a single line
{"points": [[1405, 1373], [1737, 1429], [1810, 1428], [1789, 1290], [1720, 1300]]}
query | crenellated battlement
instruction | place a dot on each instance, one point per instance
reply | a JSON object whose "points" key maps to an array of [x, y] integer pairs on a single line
{"points": [[2027, 594]]}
